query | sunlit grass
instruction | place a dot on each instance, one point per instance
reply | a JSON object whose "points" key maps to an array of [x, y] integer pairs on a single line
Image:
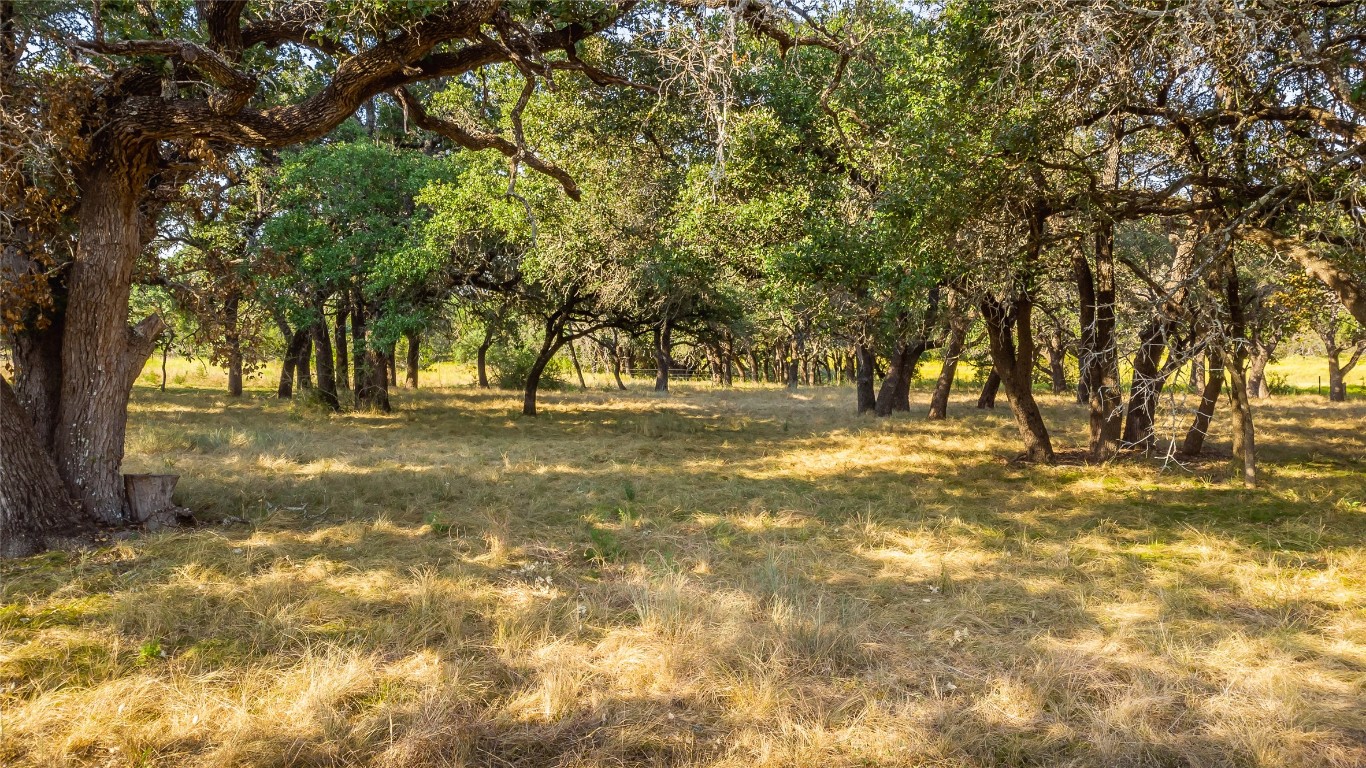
{"points": [[714, 577]]}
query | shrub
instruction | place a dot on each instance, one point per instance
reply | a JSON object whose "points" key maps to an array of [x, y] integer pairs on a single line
{"points": [[512, 365]]}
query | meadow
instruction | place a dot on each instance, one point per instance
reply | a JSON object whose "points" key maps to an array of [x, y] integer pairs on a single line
{"points": [[714, 577]]}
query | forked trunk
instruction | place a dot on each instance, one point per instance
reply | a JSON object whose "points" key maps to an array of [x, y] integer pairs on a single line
{"points": [[1014, 363], [895, 392], [550, 344], [293, 353]]}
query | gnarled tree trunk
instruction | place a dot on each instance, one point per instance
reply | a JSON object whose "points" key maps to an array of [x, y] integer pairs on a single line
{"points": [[1014, 364], [34, 502]]}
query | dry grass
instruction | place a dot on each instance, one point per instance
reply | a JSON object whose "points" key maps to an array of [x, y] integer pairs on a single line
{"points": [[717, 578]]}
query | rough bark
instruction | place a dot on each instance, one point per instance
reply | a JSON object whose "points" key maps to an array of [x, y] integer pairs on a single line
{"points": [[34, 502], [1256, 371], [101, 355], [1147, 386], [1057, 362], [38, 376]]}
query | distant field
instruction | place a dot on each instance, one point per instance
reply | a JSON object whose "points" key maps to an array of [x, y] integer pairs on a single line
{"points": [[743, 577], [1301, 374]]}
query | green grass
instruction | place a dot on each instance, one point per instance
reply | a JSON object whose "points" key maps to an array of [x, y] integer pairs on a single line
{"points": [[710, 578]]}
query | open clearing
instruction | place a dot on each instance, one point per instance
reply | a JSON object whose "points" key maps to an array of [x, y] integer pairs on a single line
{"points": [[715, 577]]}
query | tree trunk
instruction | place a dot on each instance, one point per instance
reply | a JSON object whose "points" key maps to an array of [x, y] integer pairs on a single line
{"points": [[34, 502], [939, 401], [578, 370], [293, 353], [1209, 396], [481, 359], [371, 369], [101, 355], [1244, 442], [1256, 372], [895, 393], [1337, 381], [863, 382], [553, 340], [303, 371], [322, 347], [1097, 352], [233, 339], [1057, 362], [1147, 386], [165, 353], [989, 389], [663, 346], [343, 370], [1014, 363], [411, 363], [391, 363]]}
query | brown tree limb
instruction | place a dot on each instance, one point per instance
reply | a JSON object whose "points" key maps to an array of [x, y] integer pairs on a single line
{"points": [[475, 139]]}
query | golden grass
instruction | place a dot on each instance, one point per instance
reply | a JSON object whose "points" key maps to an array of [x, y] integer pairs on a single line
{"points": [[711, 578]]}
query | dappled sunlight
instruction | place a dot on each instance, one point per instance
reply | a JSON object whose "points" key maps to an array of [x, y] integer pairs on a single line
{"points": [[709, 578]]}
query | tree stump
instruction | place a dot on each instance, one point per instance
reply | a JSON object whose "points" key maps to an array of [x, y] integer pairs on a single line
{"points": [[150, 504]]}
